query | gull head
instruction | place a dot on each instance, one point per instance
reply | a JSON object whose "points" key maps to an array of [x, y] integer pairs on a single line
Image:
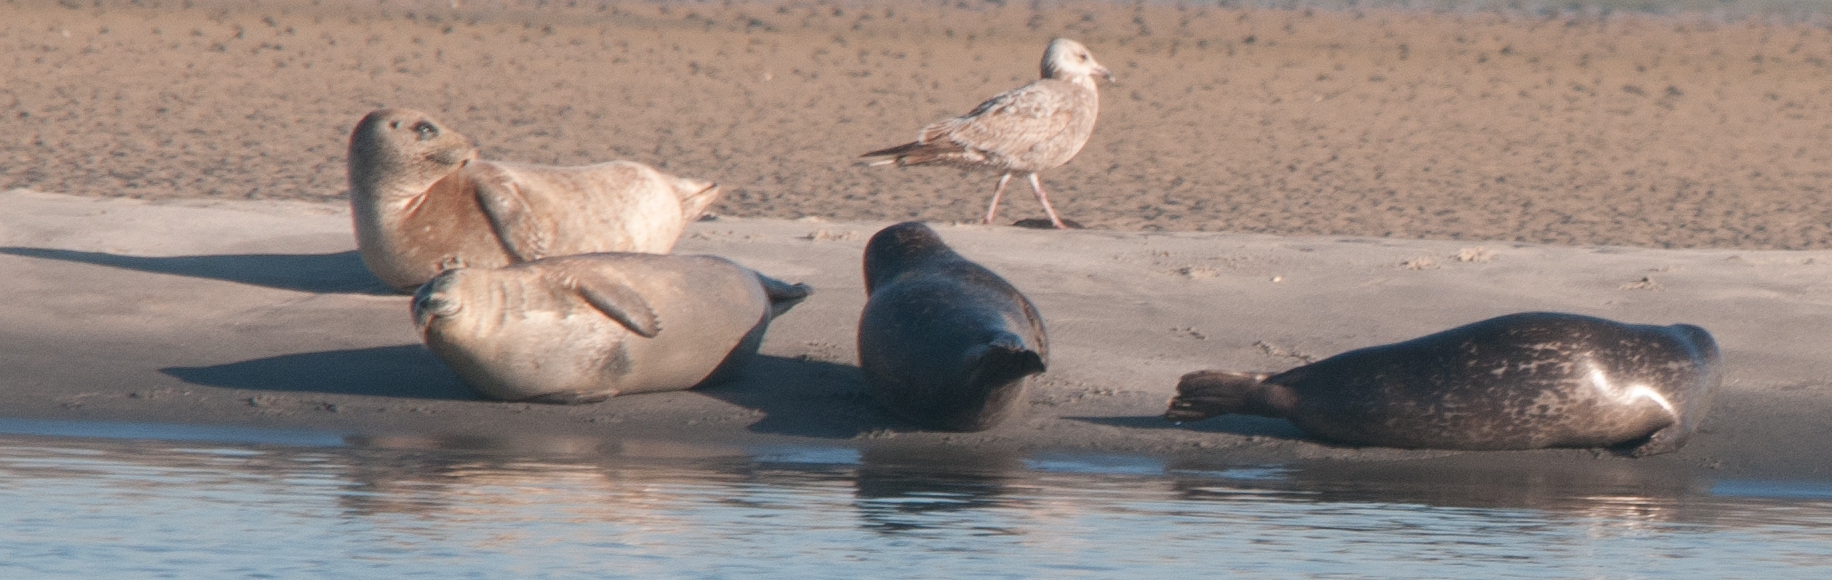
{"points": [[1068, 60]]}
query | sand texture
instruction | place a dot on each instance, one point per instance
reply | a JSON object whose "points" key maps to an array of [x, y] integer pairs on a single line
{"points": [[260, 314], [1653, 131]]}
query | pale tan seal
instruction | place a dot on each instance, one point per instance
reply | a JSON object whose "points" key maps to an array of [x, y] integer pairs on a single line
{"points": [[1038, 126], [587, 327], [422, 202]]}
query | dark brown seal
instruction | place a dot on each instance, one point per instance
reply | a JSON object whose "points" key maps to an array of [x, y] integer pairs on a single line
{"points": [[422, 202], [1522, 381], [944, 342]]}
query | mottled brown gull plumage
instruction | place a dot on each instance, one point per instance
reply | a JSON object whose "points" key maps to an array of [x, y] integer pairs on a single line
{"points": [[1028, 129]]}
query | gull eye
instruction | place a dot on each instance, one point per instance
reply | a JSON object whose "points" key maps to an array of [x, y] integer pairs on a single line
{"points": [[425, 130]]}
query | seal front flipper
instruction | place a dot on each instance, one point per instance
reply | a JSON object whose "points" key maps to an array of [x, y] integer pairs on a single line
{"points": [[503, 203], [1204, 394], [618, 301]]}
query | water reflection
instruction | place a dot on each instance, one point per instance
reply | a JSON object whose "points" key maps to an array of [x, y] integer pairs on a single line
{"points": [[405, 506], [913, 488], [1465, 480]]}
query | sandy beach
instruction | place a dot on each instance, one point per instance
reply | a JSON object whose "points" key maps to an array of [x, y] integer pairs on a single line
{"points": [[260, 314], [1625, 129], [1264, 187]]}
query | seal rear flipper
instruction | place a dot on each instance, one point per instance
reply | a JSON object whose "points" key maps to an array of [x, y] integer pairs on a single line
{"points": [[783, 295], [1204, 394], [618, 301], [696, 195], [991, 388], [1002, 360]]}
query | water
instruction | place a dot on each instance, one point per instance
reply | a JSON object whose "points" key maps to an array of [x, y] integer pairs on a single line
{"points": [[215, 505]]}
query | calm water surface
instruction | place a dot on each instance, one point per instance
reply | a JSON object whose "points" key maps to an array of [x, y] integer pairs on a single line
{"points": [[150, 501]]}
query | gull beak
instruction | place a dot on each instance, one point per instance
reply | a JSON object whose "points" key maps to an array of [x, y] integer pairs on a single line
{"points": [[1104, 73]]}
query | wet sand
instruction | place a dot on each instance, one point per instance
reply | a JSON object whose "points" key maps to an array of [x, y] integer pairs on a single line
{"points": [[1626, 129]]}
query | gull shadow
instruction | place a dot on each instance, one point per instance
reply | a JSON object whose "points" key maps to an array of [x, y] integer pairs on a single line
{"points": [[340, 272], [408, 371], [807, 398], [1248, 425]]}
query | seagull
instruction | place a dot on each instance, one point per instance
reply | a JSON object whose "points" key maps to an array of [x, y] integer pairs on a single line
{"points": [[1028, 129]]}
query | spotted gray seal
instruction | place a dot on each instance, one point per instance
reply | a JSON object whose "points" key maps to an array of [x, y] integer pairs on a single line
{"points": [[944, 342], [422, 202], [1521, 381], [583, 328]]}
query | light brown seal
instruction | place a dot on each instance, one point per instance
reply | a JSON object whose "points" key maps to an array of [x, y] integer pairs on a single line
{"points": [[944, 342], [587, 327], [1521, 381], [422, 202], [1038, 126]]}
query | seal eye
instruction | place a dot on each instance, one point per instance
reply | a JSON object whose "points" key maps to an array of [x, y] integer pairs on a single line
{"points": [[425, 130]]}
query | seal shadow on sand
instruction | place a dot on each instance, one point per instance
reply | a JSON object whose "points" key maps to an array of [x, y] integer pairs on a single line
{"points": [[339, 272], [1244, 425], [407, 371], [804, 397]]}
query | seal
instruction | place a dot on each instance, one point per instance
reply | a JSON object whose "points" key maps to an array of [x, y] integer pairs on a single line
{"points": [[422, 202], [584, 328], [944, 342], [1521, 381]]}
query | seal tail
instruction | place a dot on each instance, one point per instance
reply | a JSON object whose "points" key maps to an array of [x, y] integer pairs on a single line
{"points": [[783, 295], [696, 195], [1204, 394]]}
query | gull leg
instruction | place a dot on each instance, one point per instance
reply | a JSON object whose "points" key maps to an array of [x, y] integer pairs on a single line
{"points": [[1044, 199], [993, 210]]}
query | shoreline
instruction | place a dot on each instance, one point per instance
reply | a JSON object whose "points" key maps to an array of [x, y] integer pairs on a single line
{"points": [[259, 314]]}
